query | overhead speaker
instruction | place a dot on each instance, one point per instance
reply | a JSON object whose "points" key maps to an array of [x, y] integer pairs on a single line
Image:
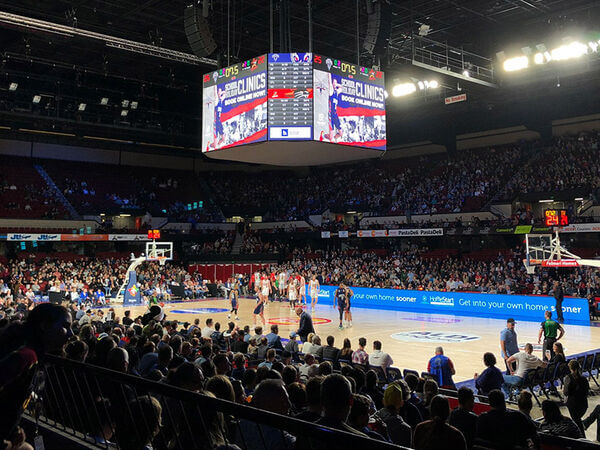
{"points": [[379, 26], [198, 32]]}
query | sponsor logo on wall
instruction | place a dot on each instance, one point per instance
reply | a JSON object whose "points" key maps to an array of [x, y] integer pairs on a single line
{"points": [[434, 336]]}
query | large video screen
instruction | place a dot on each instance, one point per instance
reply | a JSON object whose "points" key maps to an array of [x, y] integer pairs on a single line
{"points": [[290, 80], [349, 104], [234, 105]]}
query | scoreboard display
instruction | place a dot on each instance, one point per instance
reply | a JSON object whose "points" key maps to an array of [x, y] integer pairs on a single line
{"points": [[556, 218], [234, 105], [290, 95], [293, 97], [349, 104]]}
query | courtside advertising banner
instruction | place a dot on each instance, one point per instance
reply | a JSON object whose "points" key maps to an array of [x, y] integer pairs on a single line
{"points": [[349, 103], [234, 105], [495, 306]]}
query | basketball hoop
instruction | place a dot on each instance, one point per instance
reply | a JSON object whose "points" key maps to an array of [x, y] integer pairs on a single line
{"points": [[160, 259], [545, 250]]}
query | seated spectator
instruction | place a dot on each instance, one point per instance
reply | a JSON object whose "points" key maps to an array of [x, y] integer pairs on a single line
{"points": [[359, 417], [491, 378], [336, 400], [557, 424], [329, 351], [208, 329], [270, 359], [436, 433], [462, 418], [372, 390], [273, 339], [309, 369], [380, 358], [493, 426], [525, 361], [263, 347], [525, 404], [360, 356], [399, 432], [307, 346], [292, 345], [559, 354], [442, 368], [270, 395], [312, 412], [346, 350], [316, 349]]}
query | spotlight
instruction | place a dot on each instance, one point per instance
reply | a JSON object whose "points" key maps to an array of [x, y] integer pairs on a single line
{"points": [[424, 30], [421, 85], [516, 63], [466, 73], [569, 51], [13, 86], [538, 58], [134, 105], [37, 98], [403, 89], [82, 107], [125, 103], [104, 101], [124, 113], [433, 84]]}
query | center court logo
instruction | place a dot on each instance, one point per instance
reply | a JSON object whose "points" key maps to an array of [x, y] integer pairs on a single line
{"points": [[433, 336]]}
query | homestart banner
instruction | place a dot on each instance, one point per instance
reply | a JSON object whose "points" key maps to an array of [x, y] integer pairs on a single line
{"points": [[494, 306]]}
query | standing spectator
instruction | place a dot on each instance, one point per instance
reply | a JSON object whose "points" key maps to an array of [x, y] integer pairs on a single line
{"points": [[557, 424], [442, 367], [463, 418], [360, 356], [491, 378], [436, 433], [576, 389], [380, 358], [593, 417], [508, 342], [559, 296], [552, 332]]}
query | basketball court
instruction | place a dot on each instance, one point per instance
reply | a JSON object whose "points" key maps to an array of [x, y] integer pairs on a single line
{"points": [[409, 338]]}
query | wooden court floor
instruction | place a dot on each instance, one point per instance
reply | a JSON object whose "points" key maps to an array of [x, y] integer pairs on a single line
{"points": [[409, 338]]}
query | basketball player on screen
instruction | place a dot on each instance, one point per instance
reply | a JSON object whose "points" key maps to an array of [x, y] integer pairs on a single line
{"points": [[314, 291], [219, 132], [335, 127]]}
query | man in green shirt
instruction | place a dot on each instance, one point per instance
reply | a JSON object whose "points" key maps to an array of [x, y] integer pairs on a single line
{"points": [[552, 332]]}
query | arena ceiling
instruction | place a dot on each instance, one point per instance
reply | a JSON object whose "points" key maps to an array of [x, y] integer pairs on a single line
{"points": [[482, 27]]}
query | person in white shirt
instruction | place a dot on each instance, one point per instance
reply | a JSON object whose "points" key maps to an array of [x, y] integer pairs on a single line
{"points": [[309, 369], [380, 358], [208, 329], [526, 361]]}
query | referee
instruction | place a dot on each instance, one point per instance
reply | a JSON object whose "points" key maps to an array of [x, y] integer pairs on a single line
{"points": [[550, 329]]}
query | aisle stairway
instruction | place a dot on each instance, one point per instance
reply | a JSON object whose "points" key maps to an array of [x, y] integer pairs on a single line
{"points": [[236, 247], [57, 192]]}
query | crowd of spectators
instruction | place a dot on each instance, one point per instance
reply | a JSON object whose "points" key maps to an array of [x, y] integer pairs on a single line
{"points": [[239, 365], [253, 242], [414, 269]]}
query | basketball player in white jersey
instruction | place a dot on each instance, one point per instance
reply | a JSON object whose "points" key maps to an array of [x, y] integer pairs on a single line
{"points": [[263, 296], [292, 292], [314, 288], [301, 289], [281, 278]]}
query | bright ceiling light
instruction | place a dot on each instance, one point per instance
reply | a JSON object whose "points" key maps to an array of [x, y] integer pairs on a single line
{"points": [[569, 51], [421, 85], [125, 103], [466, 73], [134, 105], [82, 107], [104, 101], [124, 113], [37, 98], [593, 46], [433, 84], [13, 86], [538, 58], [403, 89], [516, 63]]}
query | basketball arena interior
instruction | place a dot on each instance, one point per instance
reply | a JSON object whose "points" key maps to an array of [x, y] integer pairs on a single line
{"points": [[307, 224]]}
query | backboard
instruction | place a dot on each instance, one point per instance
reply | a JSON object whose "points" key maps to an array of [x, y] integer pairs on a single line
{"points": [[159, 251]]}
